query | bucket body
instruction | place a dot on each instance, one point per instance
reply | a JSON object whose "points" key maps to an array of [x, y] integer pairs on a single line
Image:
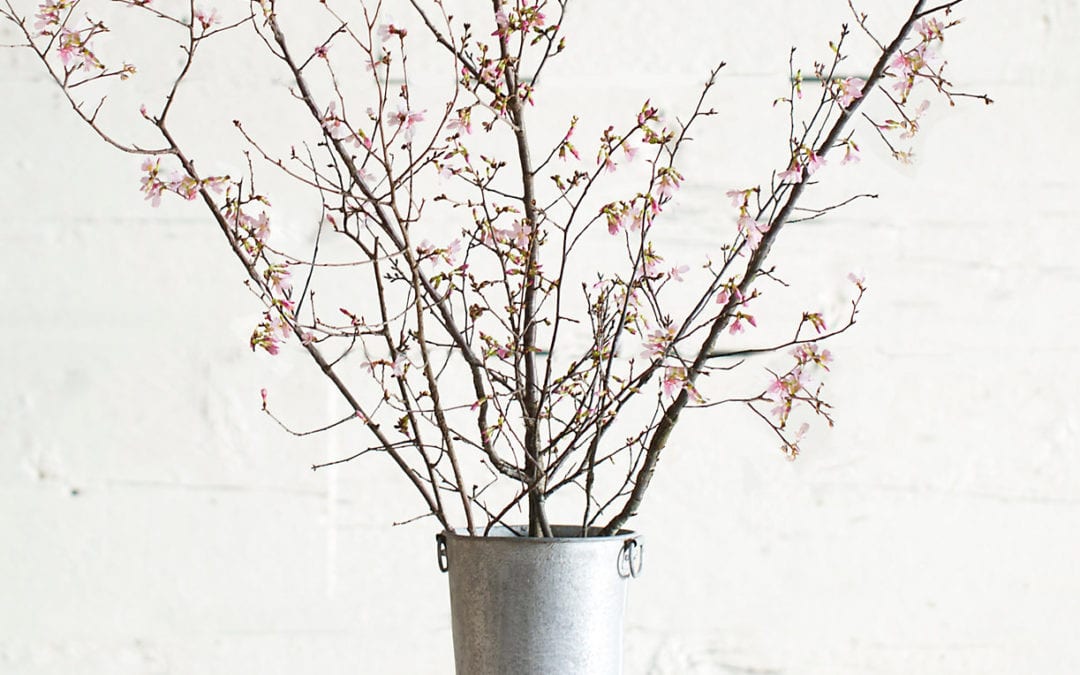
{"points": [[524, 606]]}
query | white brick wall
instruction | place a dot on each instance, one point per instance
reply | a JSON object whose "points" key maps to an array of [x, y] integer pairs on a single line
{"points": [[153, 521]]}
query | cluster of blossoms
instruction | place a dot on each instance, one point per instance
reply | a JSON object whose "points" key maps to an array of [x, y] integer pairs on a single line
{"points": [[622, 216], [447, 255], [49, 16], [798, 383], [275, 327], [338, 129], [749, 228], [730, 292], [461, 122], [805, 160], [908, 125], [652, 264], [154, 185], [278, 319], [848, 90], [515, 238], [657, 345], [676, 380], [667, 182], [73, 46], [525, 18], [206, 18], [921, 60], [403, 120]]}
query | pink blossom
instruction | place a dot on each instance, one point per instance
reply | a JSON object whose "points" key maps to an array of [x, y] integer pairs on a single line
{"points": [[531, 17], [850, 90], [752, 230], [336, 127], [260, 227], [793, 173], [911, 125], [263, 336], [566, 146], [669, 180], [400, 364], [656, 344], [66, 51], [207, 19], [449, 253], [183, 185], [677, 273], [737, 325], [851, 152], [520, 233], [425, 250], [786, 386], [725, 294], [216, 184], [616, 217], [151, 185], [902, 63], [674, 379], [814, 162], [390, 29], [49, 15], [491, 72], [740, 198], [277, 276], [652, 260], [404, 119], [647, 113], [462, 122], [930, 29], [502, 23], [629, 150], [816, 320], [321, 51], [808, 353]]}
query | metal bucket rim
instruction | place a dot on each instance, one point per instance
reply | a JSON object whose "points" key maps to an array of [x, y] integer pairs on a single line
{"points": [[503, 533]]}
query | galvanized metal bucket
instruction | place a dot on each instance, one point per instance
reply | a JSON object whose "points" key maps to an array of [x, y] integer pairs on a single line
{"points": [[528, 606]]}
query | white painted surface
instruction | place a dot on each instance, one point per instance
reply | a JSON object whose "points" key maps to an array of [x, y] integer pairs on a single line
{"points": [[153, 521]]}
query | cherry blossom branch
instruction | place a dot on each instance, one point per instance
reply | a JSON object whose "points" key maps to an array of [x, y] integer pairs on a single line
{"points": [[538, 525], [91, 119], [492, 301], [671, 414], [813, 319]]}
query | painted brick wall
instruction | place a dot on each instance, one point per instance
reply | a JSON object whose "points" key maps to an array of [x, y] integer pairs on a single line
{"points": [[153, 521]]}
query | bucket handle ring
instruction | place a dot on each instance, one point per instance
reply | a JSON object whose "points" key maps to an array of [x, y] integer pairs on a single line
{"points": [[440, 552], [630, 558]]}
